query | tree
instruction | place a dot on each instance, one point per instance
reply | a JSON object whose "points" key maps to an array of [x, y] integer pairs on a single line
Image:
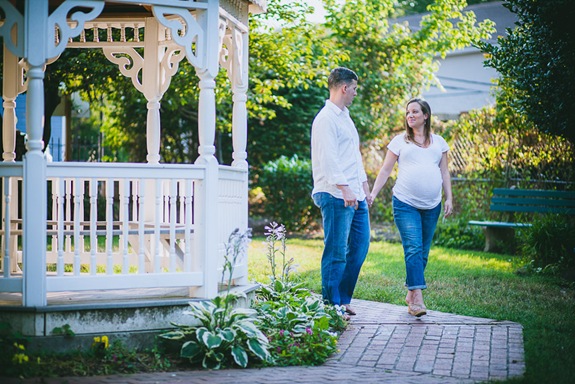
{"points": [[393, 62], [290, 60], [536, 61]]}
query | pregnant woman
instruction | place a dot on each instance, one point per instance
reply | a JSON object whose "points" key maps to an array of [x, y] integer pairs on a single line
{"points": [[422, 174]]}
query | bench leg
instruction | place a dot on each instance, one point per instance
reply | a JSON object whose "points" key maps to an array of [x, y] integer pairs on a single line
{"points": [[498, 239]]}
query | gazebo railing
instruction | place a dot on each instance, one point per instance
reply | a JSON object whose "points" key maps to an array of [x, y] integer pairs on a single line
{"points": [[115, 226]]}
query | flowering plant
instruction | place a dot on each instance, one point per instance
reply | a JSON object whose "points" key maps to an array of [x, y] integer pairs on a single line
{"points": [[297, 322]]}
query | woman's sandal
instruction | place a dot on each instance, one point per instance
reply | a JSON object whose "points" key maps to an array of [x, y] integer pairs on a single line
{"points": [[416, 310]]}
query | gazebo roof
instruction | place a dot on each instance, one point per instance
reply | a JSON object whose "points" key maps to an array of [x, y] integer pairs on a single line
{"points": [[122, 9]]}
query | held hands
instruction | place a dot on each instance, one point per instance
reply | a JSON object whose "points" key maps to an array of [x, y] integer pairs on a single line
{"points": [[350, 200], [369, 199]]}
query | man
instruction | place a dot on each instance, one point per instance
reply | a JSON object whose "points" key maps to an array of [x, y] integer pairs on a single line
{"points": [[341, 191]]}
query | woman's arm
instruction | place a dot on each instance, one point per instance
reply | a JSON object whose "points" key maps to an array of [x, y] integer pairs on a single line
{"points": [[384, 172], [444, 167]]}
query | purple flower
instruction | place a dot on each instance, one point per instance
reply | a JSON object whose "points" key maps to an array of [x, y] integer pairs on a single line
{"points": [[309, 331]]}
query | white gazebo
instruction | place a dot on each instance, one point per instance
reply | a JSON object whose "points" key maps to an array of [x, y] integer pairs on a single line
{"points": [[75, 228]]}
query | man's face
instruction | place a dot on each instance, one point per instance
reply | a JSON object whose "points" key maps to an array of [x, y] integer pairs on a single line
{"points": [[350, 91]]}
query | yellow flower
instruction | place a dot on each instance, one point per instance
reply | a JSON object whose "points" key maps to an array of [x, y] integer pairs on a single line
{"points": [[20, 358], [102, 340], [19, 346], [105, 341]]}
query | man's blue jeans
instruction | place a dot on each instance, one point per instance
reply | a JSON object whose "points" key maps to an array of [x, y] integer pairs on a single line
{"points": [[416, 228], [346, 242]]}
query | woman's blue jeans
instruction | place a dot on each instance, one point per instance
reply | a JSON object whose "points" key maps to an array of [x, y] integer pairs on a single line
{"points": [[416, 228], [346, 242]]}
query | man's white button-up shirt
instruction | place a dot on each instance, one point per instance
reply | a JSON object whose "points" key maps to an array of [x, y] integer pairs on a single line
{"points": [[335, 155]]}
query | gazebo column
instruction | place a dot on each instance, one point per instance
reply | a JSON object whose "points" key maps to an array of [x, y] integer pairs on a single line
{"points": [[34, 194], [207, 118], [151, 90], [239, 80], [10, 90], [153, 132], [206, 216], [151, 84], [239, 89]]}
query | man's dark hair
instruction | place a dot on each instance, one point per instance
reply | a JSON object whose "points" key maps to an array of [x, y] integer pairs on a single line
{"points": [[340, 75]]}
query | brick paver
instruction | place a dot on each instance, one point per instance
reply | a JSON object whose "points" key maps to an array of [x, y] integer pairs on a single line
{"points": [[381, 344]]}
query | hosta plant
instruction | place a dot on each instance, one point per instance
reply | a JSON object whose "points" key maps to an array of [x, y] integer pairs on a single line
{"points": [[225, 335]]}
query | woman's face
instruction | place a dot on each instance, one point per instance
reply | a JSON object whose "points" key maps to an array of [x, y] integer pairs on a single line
{"points": [[414, 115]]}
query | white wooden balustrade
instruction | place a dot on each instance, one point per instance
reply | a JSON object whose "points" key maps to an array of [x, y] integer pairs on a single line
{"points": [[113, 226]]}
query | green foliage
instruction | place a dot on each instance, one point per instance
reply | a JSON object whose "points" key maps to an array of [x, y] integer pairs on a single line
{"points": [[289, 132], [64, 330], [499, 144], [549, 245], [117, 358], [14, 358], [393, 62], [287, 185], [299, 336], [298, 324], [16, 361], [457, 234], [536, 61], [286, 52], [225, 335]]}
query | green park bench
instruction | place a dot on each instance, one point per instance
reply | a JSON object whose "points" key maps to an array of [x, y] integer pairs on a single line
{"points": [[521, 201]]}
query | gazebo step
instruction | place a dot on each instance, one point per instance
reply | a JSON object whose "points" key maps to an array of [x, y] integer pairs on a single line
{"points": [[135, 316]]}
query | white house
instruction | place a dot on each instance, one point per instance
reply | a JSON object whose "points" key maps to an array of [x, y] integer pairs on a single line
{"points": [[78, 230], [466, 82]]}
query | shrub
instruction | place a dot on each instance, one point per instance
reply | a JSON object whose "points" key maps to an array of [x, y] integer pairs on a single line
{"points": [[287, 185], [549, 245], [457, 234]]}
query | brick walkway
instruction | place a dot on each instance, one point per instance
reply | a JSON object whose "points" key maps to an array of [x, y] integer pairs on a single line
{"points": [[381, 344]]}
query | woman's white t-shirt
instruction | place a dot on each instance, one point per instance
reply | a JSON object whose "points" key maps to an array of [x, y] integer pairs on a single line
{"points": [[419, 178]]}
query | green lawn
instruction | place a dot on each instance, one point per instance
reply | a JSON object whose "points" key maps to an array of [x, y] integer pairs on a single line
{"points": [[465, 283]]}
